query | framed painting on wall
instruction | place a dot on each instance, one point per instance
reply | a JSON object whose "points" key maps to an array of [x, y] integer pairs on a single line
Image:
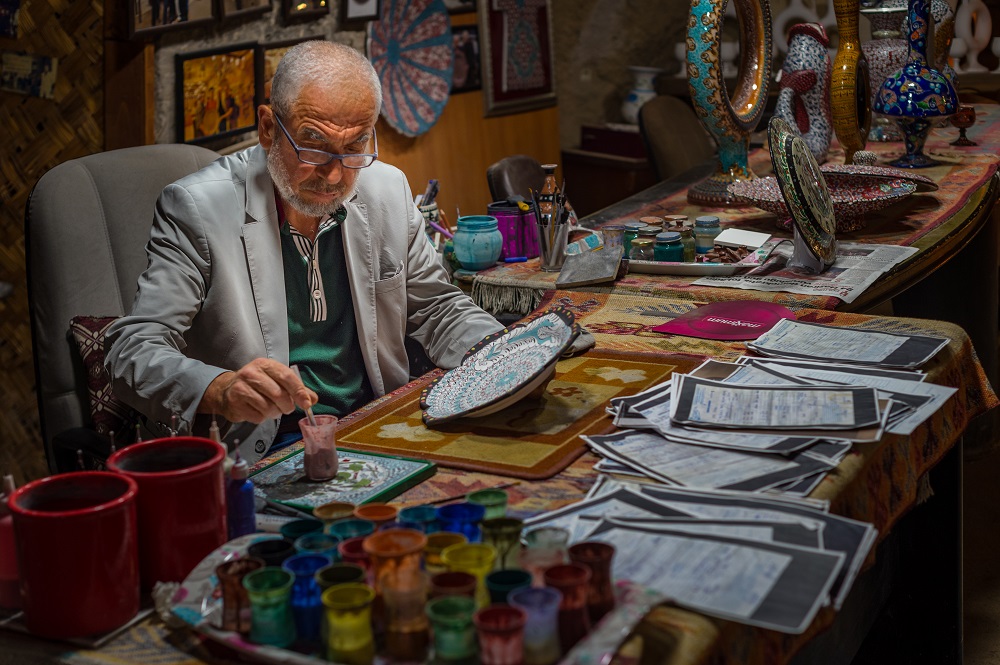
{"points": [[243, 8], [217, 91], [304, 10], [149, 17], [516, 41], [272, 54], [354, 14], [467, 74]]}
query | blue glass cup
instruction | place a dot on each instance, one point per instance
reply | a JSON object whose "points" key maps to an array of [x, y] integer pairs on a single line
{"points": [[463, 518], [351, 528], [306, 603], [541, 628], [425, 516]]}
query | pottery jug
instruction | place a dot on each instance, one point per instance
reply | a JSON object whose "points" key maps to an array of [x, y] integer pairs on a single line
{"points": [[803, 97], [478, 242], [642, 91]]}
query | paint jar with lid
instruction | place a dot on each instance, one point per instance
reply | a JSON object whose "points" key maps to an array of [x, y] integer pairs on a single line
{"points": [[631, 233], [668, 247], [706, 228], [642, 250]]}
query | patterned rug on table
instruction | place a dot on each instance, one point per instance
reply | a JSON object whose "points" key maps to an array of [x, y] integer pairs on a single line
{"points": [[535, 438]]}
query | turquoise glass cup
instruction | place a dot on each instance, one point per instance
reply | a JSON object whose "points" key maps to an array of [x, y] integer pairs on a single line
{"points": [[269, 590], [318, 543], [500, 583], [493, 501], [425, 516], [351, 528]]}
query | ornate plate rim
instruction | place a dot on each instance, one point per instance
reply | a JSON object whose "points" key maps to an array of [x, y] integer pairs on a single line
{"points": [[565, 315], [818, 229], [923, 183]]}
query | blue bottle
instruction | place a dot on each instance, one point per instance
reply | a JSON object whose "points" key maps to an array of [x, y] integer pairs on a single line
{"points": [[239, 500]]}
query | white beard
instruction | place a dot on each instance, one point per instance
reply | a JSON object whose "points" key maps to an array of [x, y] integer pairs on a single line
{"points": [[283, 181]]}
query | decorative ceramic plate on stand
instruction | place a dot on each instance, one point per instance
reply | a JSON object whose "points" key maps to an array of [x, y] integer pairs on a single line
{"points": [[853, 196], [501, 369], [804, 190], [923, 183], [198, 603]]}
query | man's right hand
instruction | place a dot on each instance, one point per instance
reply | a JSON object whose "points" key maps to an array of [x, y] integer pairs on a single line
{"points": [[260, 390]]}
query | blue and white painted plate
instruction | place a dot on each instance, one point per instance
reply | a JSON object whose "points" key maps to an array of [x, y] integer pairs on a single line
{"points": [[501, 369]]}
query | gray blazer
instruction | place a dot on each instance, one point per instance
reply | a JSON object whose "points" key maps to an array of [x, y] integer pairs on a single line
{"points": [[212, 297]]}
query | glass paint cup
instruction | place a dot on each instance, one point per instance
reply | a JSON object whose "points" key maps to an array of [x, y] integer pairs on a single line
{"points": [[454, 634], [500, 583], [349, 638], [493, 501], [475, 559], [236, 610], [504, 534], [339, 573], [501, 635], [462, 518], [436, 543], [269, 590], [320, 458]]}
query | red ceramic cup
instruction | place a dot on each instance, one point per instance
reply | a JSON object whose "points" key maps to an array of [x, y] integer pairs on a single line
{"points": [[77, 551], [181, 503]]}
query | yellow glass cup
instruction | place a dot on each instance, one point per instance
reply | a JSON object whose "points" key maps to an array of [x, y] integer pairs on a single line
{"points": [[437, 543], [349, 637], [477, 560]]}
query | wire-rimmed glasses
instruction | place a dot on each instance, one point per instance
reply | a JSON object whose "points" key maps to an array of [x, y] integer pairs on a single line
{"points": [[357, 160]]}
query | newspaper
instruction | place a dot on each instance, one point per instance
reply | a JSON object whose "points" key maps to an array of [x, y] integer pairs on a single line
{"points": [[856, 268]]}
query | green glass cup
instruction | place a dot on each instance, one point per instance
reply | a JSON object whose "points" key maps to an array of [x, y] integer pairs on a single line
{"points": [[454, 633], [269, 590], [349, 637], [499, 583], [493, 500], [339, 573], [504, 534]]}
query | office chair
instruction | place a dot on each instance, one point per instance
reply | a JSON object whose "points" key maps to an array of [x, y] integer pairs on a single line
{"points": [[514, 175], [86, 226], [674, 136]]}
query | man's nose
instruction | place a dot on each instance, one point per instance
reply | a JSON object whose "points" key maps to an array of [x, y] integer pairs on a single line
{"points": [[332, 172]]}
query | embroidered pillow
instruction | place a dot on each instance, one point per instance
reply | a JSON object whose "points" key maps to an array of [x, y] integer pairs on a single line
{"points": [[107, 413]]}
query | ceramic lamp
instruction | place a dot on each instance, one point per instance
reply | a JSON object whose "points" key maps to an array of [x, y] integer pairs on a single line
{"points": [[916, 94]]}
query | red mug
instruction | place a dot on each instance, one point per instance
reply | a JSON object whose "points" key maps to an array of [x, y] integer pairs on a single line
{"points": [[181, 503], [77, 551]]}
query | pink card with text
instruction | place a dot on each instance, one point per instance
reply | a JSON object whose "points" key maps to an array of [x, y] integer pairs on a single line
{"points": [[734, 320]]}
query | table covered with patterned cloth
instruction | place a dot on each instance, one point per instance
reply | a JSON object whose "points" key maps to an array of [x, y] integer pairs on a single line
{"points": [[937, 223], [876, 483]]}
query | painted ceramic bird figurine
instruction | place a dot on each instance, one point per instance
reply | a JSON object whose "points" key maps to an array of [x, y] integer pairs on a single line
{"points": [[804, 88]]}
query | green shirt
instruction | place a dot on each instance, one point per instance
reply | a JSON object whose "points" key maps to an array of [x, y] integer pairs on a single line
{"points": [[322, 332]]}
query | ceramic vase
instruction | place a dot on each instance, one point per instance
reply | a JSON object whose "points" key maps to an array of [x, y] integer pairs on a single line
{"points": [[850, 87], [796, 12], [885, 52], [729, 118], [916, 94], [643, 90], [803, 97], [975, 27]]}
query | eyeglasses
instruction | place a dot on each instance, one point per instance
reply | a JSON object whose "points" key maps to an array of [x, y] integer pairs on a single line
{"points": [[322, 158]]}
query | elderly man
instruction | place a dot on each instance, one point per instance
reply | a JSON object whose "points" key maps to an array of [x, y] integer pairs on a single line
{"points": [[304, 250]]}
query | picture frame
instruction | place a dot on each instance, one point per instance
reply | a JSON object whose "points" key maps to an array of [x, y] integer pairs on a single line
{"points": [[238, 9], [217, 92], [355, 14], [460, 6], [467, 74], [151, 17], [529, 83], [293, 11], [271, 54]]}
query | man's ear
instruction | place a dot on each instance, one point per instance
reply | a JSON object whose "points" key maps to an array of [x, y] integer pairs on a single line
{"points": [[266, 126]]}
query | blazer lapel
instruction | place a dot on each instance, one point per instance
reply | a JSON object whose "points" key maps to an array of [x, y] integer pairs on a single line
{"points": [[262, 243], [360, 271]]}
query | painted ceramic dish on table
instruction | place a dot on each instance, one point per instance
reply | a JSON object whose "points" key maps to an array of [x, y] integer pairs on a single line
{"points": [[501, 369], [853, 196], [923, 183]]}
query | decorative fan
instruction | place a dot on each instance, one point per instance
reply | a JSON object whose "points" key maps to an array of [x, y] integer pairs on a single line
{"points": [[411, 49]]}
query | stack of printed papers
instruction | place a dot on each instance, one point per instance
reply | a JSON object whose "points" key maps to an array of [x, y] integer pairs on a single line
{"points": [[765, 561]]}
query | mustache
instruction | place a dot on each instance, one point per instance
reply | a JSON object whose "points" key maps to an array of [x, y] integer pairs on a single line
{"points": [[322, 188]]}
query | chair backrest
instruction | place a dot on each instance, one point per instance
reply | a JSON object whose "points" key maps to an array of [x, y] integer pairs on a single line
{"points": [[674, 136], [86, 226], [513, 175]]}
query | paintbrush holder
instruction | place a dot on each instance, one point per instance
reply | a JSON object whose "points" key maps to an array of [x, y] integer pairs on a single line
{"points": [[552, 239]]}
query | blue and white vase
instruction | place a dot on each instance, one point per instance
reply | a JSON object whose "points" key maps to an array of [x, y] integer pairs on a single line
{"points": [[643, 90]]}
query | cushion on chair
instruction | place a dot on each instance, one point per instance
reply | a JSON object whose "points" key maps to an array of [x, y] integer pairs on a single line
{"points": [[674, 136], [107, 413], [514, 175]]}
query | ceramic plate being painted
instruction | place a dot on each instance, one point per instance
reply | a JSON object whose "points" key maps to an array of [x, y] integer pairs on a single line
{"points": [[804, 190], [501, 369]]}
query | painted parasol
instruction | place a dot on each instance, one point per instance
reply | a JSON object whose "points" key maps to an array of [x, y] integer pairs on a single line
{"points": [[411, 49]]}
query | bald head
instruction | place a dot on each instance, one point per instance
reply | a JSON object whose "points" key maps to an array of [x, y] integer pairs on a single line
{"points": [[326, 65]]}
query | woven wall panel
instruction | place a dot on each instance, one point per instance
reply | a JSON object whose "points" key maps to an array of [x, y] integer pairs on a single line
{"points": [[37, 135]]}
